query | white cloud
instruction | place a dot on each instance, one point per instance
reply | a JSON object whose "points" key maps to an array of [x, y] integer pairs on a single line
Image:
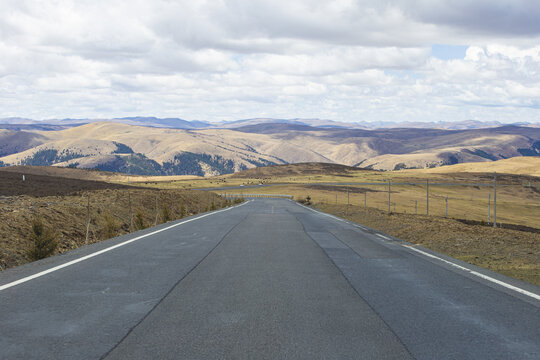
{"points": [[218, 59]]}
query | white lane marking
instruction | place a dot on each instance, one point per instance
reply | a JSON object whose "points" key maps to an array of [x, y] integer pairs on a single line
{"points": [[475, 273], [384, 237], [472, 272], [86, 257], [321, 213]]}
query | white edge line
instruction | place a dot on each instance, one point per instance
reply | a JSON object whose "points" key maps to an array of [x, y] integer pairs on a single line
{"points": [[382, 236], [472, 272], [475, 273], [86, 257]]}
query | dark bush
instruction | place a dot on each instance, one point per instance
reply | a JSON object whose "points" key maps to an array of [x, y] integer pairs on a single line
{"points": [[139, 221], [43, 241], [165, 214]]}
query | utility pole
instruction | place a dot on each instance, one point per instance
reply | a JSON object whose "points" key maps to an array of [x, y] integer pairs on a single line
{"points": [[427, 197], [336, 198], [389, 190], [348, 197], [495, 199]]}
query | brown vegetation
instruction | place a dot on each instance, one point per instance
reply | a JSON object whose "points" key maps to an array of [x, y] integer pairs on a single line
{"points": [[510, 252], [62, 206], [299, 169]]}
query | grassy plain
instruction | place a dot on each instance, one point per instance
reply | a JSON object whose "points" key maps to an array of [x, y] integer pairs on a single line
{"points": [[518, 196], [513, 250]]}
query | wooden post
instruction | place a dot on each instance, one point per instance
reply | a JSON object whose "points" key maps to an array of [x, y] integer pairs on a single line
{"points": [[88, 220], [365, 200], [130, 213], [389, 190], [495, 199], [446, 206], [427, 197], [157, 213], [347, 207], [415, 207], [489, 208]]}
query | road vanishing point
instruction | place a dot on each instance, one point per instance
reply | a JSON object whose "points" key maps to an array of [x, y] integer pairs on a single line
{"points": [[268, 279]]}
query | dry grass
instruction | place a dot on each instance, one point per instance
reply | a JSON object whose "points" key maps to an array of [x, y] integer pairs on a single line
{"points": [[526, 165], [510, 252], [110, 216], [518, 197]]}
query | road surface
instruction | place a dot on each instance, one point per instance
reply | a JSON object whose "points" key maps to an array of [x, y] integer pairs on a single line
{"points": [[269, 279]]}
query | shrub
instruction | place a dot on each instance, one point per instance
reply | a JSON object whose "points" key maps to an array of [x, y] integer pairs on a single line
{"points": [[182, 210], [165, 214], [43, 241], [139, 221], [109, 226]]}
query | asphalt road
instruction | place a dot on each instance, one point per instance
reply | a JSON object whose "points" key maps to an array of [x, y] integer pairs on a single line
{"points": [[269, 279]]}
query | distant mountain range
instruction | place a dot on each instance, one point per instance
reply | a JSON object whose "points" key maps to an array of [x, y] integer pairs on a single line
{"points": [[145, 150], [16, 123]]}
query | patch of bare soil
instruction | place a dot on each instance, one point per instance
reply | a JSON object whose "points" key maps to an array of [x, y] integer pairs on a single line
{"points": [[511, 252], [12, 184], [63, 172]]}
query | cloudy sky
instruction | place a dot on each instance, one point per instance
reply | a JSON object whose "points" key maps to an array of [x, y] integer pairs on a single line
{"points": [[396, 60]]}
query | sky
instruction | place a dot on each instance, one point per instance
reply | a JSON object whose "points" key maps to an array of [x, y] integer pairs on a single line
{"points": [[363, 61]]}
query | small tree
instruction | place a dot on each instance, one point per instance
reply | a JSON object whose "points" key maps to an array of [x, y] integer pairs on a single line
{"points": [[182, 210], [139, 220], [308, 200], [43, 241], [109, 226], [165, 214]]}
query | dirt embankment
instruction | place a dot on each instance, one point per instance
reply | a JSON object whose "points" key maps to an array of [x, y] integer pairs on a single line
{"points": [[12, 184], [510, 252], [62, 204]]}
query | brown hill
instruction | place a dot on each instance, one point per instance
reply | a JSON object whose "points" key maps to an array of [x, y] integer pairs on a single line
{"points": [[290, 170], [12, 184], [526, 165], [158, 151]]}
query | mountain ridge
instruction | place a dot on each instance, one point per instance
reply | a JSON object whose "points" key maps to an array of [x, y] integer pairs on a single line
{"points": [[136, 149], [179, 123]]}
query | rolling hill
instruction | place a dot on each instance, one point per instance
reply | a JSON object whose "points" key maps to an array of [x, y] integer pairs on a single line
{"points": [[113, 146], [525, 165]]}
